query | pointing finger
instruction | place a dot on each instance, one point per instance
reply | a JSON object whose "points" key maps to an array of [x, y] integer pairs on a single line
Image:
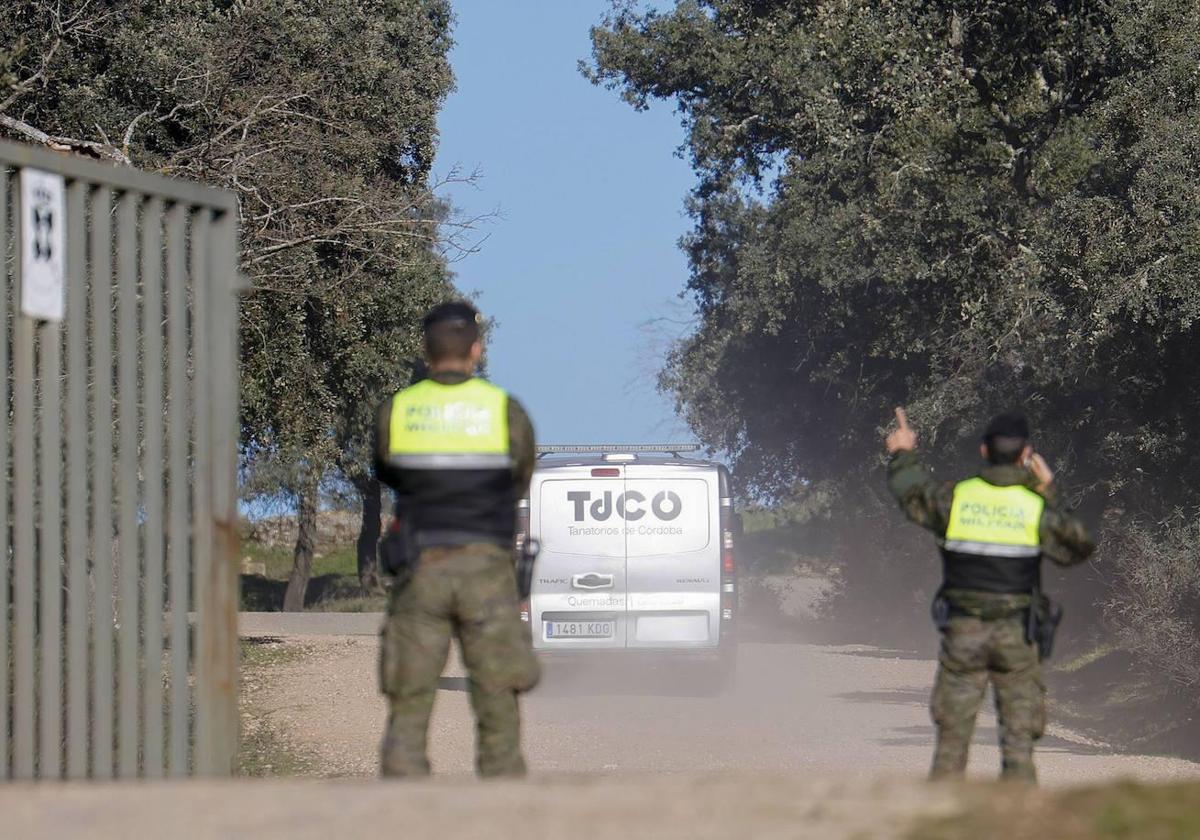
{"points": [[901, 418]]}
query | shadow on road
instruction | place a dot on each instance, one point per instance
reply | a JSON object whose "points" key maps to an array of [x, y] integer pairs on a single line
{"points": [[574, 680], [922, 736], [919, 736], [897, 696], [886, 653], [454, 684], [646, 678], [263, 594]]}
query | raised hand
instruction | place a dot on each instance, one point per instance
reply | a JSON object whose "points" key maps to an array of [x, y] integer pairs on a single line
{"points": [[902, 438]]}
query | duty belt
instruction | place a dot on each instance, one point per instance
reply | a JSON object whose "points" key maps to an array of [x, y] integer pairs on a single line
{"points": [[987, 614]]}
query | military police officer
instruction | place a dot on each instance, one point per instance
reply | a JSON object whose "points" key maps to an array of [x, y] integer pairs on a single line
{"points": [[459, 452], [993, 529]]}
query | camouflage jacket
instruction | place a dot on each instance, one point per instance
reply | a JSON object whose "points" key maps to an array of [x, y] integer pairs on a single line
{"points": [[927, 501]]}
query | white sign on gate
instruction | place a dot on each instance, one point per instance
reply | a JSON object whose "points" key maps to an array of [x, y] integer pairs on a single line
{"points": [[43, 245]]}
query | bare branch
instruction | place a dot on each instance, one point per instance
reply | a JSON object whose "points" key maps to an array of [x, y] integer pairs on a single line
{"points": [[22, 87], [104, 151], [129, 133], [29, 131]]}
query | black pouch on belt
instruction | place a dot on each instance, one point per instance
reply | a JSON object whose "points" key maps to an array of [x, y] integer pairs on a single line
{"points": [[1044, 617], [525, 559], [939, 611], [399, 553]]}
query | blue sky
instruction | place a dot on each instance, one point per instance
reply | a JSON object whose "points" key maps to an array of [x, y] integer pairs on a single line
{"points": [[581, 266]]}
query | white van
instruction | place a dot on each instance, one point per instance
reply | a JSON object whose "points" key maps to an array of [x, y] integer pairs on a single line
{"points": [[637, 552]]}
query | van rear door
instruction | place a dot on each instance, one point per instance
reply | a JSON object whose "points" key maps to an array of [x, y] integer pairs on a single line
{"points": [[673, 556], [578, 597]]}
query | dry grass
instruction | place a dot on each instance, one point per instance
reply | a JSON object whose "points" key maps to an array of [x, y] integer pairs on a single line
{"points": [[1122, 811], [263, 750]]}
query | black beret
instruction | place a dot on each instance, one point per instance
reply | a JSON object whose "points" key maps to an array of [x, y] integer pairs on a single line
{"points": [[455, 310], [1010, 424]]}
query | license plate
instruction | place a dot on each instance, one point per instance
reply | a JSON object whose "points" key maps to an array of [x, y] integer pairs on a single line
{"points": [[579, 629]]}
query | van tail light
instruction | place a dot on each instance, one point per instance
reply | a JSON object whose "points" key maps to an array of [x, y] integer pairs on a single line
{"points": [[522, 533], [520, 539], [728, 563]]}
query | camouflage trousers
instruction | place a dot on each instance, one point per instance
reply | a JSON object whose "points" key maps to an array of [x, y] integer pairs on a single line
{"points": [[470, 592], [974, 652]]}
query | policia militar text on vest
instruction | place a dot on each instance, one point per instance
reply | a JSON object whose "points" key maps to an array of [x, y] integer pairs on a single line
{"points": [[450, 444], [992, 542]]}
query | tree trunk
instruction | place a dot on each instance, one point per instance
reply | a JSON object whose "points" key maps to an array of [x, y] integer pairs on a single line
{"points": [[368, 534], [306, 537]]}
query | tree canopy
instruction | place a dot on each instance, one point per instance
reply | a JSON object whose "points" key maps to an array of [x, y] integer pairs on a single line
{"points": [[958, 206], [321, 116]]}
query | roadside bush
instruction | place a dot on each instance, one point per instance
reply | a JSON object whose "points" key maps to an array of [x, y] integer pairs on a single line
{"points": [[1155, 602]]}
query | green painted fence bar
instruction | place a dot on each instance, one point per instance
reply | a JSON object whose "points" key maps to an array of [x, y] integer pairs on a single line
{"points": [[118, 500]]}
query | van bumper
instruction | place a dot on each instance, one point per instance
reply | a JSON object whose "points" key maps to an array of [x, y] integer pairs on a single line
{"points": [[713, 653]]}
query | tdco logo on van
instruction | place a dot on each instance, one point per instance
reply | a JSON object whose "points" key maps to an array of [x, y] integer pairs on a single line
{"points": [[630, 505]]}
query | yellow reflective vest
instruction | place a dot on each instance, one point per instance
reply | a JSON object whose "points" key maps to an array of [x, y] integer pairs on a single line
{"points": [[992, 541], [448, 445], [460, 426]]}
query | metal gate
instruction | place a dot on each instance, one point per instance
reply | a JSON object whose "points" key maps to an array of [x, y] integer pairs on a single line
{"points": [[118, 497]]}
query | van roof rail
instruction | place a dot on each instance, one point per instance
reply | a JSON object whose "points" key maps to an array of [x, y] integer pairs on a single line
{"points": [[579, 448]]}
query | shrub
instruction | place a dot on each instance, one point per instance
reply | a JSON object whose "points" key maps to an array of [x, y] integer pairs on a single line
{"points": [[1155, 601]]}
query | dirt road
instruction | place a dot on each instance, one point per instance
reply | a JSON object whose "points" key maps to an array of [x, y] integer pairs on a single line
{"points": [[813, 743], [663, 807], [851, 713]]}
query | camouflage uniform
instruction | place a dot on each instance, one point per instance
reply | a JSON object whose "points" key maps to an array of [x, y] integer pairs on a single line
{"points": [[985, 638], [466, 591], [469, 591]]}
